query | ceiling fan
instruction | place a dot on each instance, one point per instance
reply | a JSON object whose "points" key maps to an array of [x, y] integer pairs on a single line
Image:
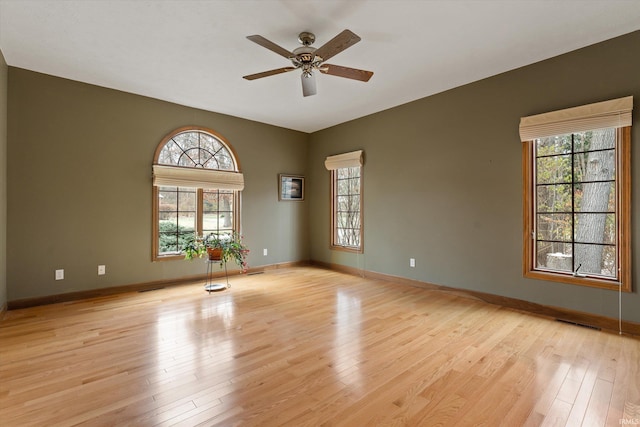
{"points": [[310, 59]]}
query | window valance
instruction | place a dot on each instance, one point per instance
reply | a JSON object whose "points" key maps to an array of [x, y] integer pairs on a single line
{"points": [[345, 160], [613, 113], [208, 179]]}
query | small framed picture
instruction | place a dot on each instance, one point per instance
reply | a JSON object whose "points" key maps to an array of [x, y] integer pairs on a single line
{"points": [[290, 187]]}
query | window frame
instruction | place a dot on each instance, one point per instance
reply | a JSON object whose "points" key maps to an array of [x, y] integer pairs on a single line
{"points": [[623, 220], [334, 244], [156, 255]]}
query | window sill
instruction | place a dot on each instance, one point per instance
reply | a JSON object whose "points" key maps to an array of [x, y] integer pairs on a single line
{"points": [[570, 279], [346, 249], [171, 257]]}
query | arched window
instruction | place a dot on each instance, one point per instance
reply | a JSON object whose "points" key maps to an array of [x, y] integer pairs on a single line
{"points": [[196, 190]]}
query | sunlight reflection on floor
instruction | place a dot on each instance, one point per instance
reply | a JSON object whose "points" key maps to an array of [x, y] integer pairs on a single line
{"points": [[347, 347]]}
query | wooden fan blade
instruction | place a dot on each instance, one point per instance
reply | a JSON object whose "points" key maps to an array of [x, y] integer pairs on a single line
{"points": [[350, 73], [268, 73], [337, 44], [270, 45]]}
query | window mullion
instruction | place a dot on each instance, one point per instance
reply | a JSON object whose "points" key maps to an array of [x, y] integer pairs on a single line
{"points": [[199, 212], [573, 204]]}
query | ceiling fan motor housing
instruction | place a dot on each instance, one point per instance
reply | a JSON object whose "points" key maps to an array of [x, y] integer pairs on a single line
{"points": [[306, 59]]}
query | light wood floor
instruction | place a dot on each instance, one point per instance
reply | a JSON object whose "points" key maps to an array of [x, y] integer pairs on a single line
{"points": [[309, 347]]}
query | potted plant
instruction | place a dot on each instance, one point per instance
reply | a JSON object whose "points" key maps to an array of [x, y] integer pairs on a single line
{"points": [[219, 248], [234, 248], [214, 246], [210, 244], [194, 248]]}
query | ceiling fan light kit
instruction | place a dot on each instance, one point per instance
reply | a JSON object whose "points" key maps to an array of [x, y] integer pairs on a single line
{"points": [[309, 59]]}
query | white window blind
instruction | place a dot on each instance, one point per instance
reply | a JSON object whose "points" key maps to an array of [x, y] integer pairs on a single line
{"points": [[208, 179], [613, 113], [345, 160]]}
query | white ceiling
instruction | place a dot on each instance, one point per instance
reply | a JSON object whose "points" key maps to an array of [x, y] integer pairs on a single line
{"points": [[195, 53]]}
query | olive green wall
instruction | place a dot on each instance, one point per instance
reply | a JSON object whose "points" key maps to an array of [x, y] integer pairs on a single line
{"points": [[79, 185], [3, 182], [442, 181], [443, 178]]}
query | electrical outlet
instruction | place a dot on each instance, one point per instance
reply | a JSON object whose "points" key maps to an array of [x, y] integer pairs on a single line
{"points": [[412, 262], [102, 270], [59, 274], [264, 252]]}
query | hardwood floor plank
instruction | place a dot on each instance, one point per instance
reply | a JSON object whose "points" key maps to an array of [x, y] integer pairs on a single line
{"points": [[306, 346], [625, 399], [558, 414], [596, 414]]}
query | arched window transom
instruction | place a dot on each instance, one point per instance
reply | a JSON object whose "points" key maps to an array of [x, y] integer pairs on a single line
{"points": [[197, 149]]}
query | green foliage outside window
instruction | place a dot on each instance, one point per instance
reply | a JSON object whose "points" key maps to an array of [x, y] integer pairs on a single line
{"points": [[172, 237]]}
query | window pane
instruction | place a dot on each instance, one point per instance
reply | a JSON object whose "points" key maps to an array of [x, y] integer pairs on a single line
{"points": [[168, 198], [555, 227], [554, 198], [195, 158], [171, 217], [204, 159], [579, 142], [594, 140], [176, 218], [609, 262], [349, 186], [175, 229], [186, 140], [168, 236], [349, 219], [170, 154], [209, 223], [595, 228], [595, 259], [554, 256], [187, 221], [559, 144], [594, 166], [346, 173], [187, 200], [210, 201], [221, 161], [599, 197], [348, 203], [210, 144], [213, 223], [218, 211], [349, 237], [168, 244], [555, 169]]}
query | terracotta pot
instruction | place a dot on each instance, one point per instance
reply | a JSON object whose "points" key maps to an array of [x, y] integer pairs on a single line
{"points": [[215, 254]]}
